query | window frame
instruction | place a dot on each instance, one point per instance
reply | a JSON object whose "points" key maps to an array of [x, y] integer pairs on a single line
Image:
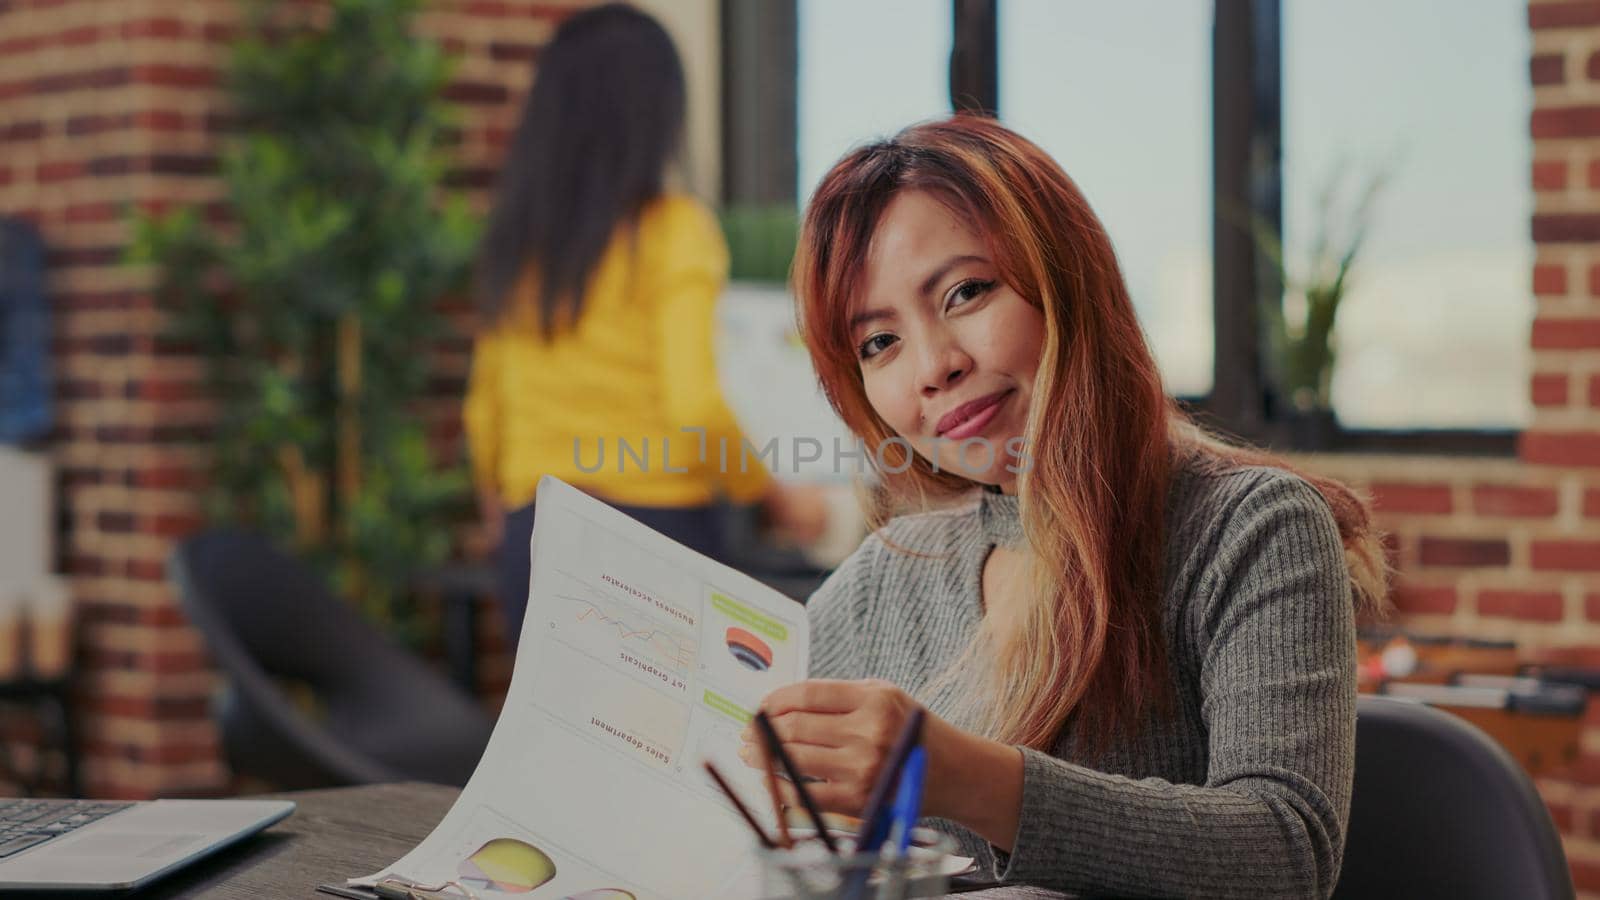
{"points": [[760, 130]]}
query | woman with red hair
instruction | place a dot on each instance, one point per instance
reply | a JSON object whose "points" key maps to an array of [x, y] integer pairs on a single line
{"points": [[1135, 643]]}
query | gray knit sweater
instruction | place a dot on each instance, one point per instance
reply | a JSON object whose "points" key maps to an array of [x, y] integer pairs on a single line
{"points": [[1243, 789]]}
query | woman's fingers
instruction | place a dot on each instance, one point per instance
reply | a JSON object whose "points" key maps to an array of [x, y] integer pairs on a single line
{"points": [[822, 729], [815, 695], [840, 789]]}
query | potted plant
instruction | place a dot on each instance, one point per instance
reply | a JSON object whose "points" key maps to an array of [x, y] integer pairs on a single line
{"points": [[315, 306], [1301, 325]]}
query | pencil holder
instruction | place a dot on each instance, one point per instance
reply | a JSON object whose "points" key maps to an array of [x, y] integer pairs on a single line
{"points": [[809, 872]]}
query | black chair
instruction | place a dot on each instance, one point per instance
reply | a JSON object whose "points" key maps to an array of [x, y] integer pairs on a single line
{"points": [[1441, 810], [317, 696]]}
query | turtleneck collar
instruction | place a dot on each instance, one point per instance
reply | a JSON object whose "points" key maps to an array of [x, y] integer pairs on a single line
{"points": [[1000, 518]]}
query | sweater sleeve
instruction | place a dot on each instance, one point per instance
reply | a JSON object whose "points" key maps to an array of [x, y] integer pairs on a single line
{"points": [[690, 262], [1276, 650], [837, 612]]}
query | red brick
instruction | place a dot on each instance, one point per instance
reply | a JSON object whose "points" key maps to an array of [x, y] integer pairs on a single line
{"points": [[1591, 610], [1513, 501], [175, 524], [82, 125], [176, 76], [77, 37], [146, 570], [219, 33], [163, 390], [30, 130], [165, 28], [1428, 499], [480, 93], [1567, 556], [115, 522], [13, 46], [1409, 598], [5, 176], [1464, 552], [79, 81], [1560, 448], [59, 171], [1561, 814], [1548, 68], [1565, 122], [90, 212], [1564, 15], [1594, 391], [1585, 875], [1567, 228], [160, 120], [1594, 174], [148, 707], [1549, 280], [175, 662], [1566, 334], [487, 9], [1533, 606], [1549, 390], [166, 477], [1591, 503], [507, 51]]}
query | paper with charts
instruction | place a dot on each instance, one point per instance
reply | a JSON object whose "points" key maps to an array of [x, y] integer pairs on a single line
{"points": [[639, 659]]}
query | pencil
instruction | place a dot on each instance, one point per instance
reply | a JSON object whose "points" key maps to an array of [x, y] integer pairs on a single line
{"points": [[738, 804], [785, 839], [775, 747]]}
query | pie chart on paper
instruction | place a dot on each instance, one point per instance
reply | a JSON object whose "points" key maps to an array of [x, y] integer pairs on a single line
{"points": [[751, 651]]}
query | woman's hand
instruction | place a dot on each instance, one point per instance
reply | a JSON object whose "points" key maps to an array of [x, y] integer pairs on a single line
{"points": [[842, 732]]}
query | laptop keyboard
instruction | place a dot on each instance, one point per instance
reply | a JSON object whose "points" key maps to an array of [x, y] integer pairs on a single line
{"points": [[28, 823]]}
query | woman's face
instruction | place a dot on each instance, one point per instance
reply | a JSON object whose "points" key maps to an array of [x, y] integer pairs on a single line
{"points": [[947, 352]]}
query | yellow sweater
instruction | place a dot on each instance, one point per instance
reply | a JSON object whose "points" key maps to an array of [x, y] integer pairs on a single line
{"points": [[638, 366]]}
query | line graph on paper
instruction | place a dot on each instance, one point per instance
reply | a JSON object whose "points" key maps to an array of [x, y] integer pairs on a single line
{"points": [[661, 641], [623, 633]]}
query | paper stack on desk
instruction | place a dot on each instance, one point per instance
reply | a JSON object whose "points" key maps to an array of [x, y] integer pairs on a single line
{"points": [[639, 659]]}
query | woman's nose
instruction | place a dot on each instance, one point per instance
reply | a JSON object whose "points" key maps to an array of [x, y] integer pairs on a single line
{"points": [[943, 367]]}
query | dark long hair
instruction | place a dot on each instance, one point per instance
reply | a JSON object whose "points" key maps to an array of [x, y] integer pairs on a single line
{"points": [[603, 120]]}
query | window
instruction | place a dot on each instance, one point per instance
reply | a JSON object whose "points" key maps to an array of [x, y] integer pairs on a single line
{"points": [[1121, 99], [867, 68], [1434, 332]]}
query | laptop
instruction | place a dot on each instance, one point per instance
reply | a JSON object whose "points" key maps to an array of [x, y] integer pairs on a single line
{"points": [[103, 845]]}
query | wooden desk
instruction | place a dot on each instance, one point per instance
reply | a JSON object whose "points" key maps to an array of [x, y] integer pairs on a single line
{"points": [[336, 834]]}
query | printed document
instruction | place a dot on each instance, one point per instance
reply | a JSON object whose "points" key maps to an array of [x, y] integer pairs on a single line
{"points": [[639, 660]]}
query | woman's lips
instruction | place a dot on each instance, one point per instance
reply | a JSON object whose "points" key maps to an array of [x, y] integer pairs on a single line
{"points": [[970, 419]]}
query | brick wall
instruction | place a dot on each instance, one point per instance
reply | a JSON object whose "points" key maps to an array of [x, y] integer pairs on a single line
{"points": [[106, 105]]}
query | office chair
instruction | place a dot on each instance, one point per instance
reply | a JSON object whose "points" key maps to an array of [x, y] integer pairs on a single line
{"points": [[1440, 810], [317, 696]]}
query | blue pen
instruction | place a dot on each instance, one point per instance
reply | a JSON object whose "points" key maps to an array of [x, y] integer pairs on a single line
{"points": [[908, 799]]}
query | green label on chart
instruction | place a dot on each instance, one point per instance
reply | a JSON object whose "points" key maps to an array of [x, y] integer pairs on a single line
{"points": [[749, 618], [727, 707]]}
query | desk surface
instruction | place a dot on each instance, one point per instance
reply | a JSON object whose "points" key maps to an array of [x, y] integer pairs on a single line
{"points": [[344, 832]]}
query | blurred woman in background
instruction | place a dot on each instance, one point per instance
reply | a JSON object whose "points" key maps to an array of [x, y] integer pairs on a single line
{"points": [[597, 288]]}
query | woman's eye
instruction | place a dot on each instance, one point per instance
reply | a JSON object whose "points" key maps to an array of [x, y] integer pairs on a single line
{"points": [[874, 345], [968, 291]]}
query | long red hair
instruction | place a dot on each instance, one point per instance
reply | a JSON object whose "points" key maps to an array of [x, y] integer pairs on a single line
{"points": [[1102, 436]]}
